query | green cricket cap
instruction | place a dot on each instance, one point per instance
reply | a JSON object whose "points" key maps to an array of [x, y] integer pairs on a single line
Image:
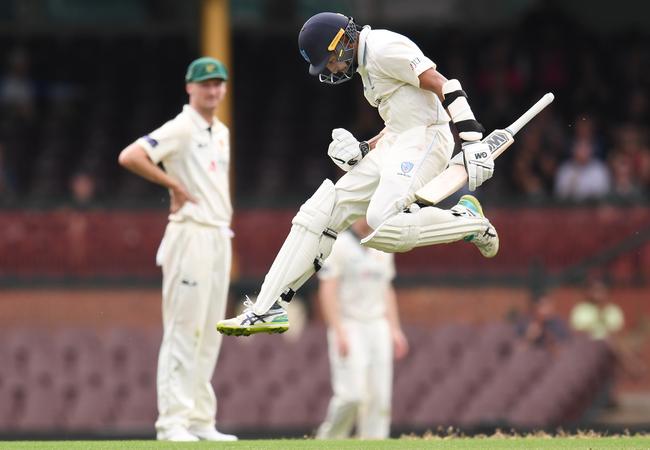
{"points": [[205, 68]]}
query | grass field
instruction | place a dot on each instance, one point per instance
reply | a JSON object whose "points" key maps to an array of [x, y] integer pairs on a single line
{"points": [[488, 443]]}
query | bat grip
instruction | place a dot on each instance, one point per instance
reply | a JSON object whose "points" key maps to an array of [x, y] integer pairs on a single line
{"points": [[532, 112]]}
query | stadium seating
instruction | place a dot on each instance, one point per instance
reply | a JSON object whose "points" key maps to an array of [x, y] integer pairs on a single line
{"points": [[81, 381]]}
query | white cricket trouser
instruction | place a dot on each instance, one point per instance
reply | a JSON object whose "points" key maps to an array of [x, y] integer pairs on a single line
{"points": [[362, 382], [385, 181], [195, 263], [380, 186]]}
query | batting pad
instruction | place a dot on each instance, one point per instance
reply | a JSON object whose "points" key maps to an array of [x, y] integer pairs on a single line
{"points": [[306, 246], [427, 226]]}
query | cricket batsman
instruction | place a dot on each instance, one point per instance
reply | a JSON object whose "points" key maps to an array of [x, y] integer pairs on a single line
{"points": [[416, 103]]}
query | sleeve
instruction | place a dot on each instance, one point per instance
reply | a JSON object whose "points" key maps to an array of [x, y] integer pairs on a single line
{"points": [[163, 142], [403, 60], [332, 265]]}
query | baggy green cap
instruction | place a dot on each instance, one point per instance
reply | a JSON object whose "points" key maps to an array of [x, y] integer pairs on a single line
{"points": [[205, 68]]}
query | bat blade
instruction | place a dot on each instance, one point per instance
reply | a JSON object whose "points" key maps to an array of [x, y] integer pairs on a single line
{"points": [[455, 177]]}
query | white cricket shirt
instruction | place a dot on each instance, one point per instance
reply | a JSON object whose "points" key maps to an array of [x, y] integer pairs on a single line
{"points": [[197, 154], [364, 276], [389, 65]]}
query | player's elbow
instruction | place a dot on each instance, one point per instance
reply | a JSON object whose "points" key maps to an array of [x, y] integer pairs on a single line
{"points": [[123, 158], [128, 157]]}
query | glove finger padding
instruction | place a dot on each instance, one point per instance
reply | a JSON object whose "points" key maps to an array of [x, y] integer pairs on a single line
{"points": [[478, 163], [482, 174], [344, 149], [338, 134]]}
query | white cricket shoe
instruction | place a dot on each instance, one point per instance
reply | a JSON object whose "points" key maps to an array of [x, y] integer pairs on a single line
{"points": [[275, 320], [486, 241], [211, 434], [176, 434]]}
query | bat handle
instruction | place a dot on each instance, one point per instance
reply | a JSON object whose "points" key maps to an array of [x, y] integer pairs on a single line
{"points": [[532, 112]]}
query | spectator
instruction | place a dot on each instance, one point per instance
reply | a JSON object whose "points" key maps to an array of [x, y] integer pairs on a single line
{"points": [[540, 326], [583, 177], [82, 189], [601, 319], [631, 144], [625, 186], [17, 90], [596, 315], [535, 166]]}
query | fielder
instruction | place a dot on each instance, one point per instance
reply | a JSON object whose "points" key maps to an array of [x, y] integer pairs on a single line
{"points": [[384, 172], [195, 253], [360, 309]]}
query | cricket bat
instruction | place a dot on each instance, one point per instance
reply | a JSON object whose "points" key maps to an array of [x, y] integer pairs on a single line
{"points": [[455, 177]]}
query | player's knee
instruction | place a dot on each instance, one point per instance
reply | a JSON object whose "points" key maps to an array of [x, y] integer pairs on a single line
{"points": [[376, 214], [315, 214], [379, 212], [375, 217]]}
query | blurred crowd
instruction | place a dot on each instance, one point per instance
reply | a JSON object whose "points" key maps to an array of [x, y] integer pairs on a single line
{"points": [[70, 104], [596, 315]]}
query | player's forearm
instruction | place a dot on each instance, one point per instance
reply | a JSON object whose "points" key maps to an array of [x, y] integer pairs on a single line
{"points": [[135, 159], [392, 315], [432, 80], [372, 142], [454, 99]]}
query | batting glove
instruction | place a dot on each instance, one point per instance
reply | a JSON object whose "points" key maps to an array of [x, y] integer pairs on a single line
{"points": [[478, 163], [345, 150]]}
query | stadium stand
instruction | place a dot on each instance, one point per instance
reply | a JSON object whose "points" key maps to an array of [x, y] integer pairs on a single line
{"points": [[456, 375]]}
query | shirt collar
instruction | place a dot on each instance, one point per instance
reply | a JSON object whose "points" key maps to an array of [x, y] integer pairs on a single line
{"points": [[361, 60], [197, 119]]}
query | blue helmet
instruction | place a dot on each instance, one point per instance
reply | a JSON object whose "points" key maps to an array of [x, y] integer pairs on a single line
{"points": [[321, 36]]}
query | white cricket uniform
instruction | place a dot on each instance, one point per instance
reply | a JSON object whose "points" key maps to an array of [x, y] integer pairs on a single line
{"points": [[362, 382], [416, 146], [417, 143], [195, 255]]}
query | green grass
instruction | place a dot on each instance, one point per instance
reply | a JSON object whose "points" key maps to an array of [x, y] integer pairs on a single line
{"points": [[488, 443]]}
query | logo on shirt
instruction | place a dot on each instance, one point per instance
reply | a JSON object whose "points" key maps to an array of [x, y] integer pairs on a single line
{"points": [[406, 167], [414, 62], [150, 140], [213, 166]]}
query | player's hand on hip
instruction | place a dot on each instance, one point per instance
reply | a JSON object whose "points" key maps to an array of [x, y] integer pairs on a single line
{"points": [[342, 343], [178, 197], [345, 150], [400, 344], [478, 163]]}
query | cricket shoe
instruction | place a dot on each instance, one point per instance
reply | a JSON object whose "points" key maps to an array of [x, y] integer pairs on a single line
{"points": [[211, 434], [275, 320], [487, 240], [177, 434]]}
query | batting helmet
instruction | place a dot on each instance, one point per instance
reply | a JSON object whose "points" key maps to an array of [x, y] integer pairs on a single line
{"points": [[321, 36]]}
